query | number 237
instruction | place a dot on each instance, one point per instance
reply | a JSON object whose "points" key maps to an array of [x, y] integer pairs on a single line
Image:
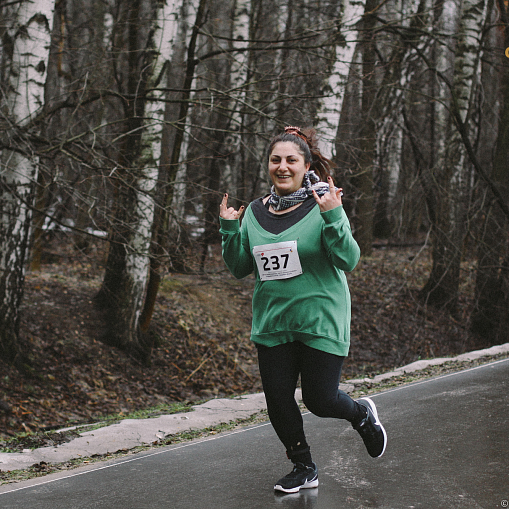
{"points": [[275, 261]]}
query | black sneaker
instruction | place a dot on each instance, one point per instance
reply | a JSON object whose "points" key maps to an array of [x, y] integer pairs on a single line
{"points": [[300, 477], [371, 430]]}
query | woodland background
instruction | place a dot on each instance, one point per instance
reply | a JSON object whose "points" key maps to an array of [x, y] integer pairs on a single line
{"points": [[123, 122]]}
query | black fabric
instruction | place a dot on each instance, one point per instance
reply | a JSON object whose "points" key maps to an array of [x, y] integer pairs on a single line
{"points": [[301, 456], [320, 372], [278, 223]]}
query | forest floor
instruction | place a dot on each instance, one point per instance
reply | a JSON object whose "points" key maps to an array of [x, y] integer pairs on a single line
{"points": [[203, 324]]}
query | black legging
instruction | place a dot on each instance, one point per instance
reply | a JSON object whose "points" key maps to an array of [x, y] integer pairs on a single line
{"points": [[280, 367]]}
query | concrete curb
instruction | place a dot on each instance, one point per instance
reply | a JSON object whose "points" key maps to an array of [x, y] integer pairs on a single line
{"points": [[131, 433], [424, 364]]}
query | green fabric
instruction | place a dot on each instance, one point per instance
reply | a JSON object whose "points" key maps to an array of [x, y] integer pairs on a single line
{"points": [[313, 307]]}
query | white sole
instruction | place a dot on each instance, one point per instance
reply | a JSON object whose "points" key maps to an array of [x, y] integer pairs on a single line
{"points": [[372, 407], [306, 485]]}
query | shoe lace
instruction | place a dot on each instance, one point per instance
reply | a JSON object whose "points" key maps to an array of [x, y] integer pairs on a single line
{"points": [[366, 428]]}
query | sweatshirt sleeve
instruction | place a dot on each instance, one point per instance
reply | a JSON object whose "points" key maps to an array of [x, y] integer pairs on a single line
{"points": [[235, 248], [337, 237]]}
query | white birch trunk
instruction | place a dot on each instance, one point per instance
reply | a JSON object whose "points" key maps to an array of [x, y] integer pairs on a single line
{"points": [[465, 22], [239, 92], [138, 251], [180, 183], [29, 27], [126, 279], [466, 80], [467, 74], [459, 65], [445, 65], [137, 257], [179, 16], [165, 39], [330, 107]]}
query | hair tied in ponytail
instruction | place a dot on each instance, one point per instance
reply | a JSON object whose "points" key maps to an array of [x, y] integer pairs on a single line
{"points": [[296, 131]]}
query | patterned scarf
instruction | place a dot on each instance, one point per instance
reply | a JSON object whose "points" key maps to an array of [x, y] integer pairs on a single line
{"points": [[311, 182]]}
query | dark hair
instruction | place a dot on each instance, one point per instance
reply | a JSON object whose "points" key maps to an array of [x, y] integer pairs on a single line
{"points": [[307, 142]]}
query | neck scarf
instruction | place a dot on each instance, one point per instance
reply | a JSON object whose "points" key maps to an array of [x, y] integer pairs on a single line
{"points": [[311, 182]]}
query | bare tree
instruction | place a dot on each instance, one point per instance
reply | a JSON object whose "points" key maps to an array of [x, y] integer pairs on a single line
{"points": [[123, 290], [69, 173], [209, 151], [179, 92], [491, 316], [25, 34], [453, 168]]}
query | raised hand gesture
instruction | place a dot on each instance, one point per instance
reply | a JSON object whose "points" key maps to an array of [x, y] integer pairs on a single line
{"points": [[229, 212], [329, 200]]}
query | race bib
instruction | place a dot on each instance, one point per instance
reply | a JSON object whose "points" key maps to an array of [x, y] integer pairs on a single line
{"points": [[277, 261]]}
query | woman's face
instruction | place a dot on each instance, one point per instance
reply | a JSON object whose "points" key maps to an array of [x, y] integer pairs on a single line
{"points": [[287, 167]]}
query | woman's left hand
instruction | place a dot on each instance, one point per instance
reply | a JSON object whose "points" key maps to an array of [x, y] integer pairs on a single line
{"points": [[329, 200]]}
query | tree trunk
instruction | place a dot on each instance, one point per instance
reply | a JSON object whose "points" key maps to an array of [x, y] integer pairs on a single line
{"points": [[25, 36], [329, 111], [215, 155], [233, 176], [490, 319], [364, 173], [123, 290], [453, 172], [173, 137]]}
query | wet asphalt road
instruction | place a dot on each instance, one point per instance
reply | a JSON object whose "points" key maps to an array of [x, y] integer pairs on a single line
{"points": [[448, 448]]}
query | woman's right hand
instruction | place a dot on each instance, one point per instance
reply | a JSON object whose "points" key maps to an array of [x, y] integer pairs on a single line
{"points": [[226, 212]]}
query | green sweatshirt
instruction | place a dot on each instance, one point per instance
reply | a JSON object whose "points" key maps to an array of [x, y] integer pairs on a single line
{"points": [[313, 307]]}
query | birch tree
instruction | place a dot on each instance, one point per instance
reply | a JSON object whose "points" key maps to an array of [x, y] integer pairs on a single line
{"points": [[453, 169], [407, 27], [124, 286], [232, 175], [180, 77], [329, 110], [69, 172], [25, 36]]}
